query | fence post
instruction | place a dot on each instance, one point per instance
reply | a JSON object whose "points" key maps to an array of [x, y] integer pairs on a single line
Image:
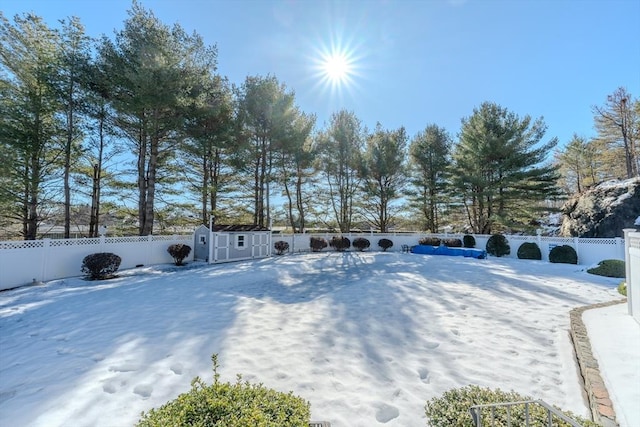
{"points": [[46, 245], [576, 243], [627, 267], [149, 250]]}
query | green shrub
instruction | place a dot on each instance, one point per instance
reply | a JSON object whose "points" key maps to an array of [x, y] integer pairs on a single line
{"points": [[469, 241], [360, 243], [529, 250], [564, 254], [317, 244], [179, 252], [281, 247], [229, 405], [622, 288], [100, 266], [385, 244], [340, 243], [610, 268], [452, 243], [452, 409], [498, 245], [430, 241]]}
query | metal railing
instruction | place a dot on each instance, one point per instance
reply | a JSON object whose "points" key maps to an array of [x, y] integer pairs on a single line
{"points": [[498, 420]]}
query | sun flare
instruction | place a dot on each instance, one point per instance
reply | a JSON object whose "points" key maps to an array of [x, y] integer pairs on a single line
{"points": [[337, 68]]}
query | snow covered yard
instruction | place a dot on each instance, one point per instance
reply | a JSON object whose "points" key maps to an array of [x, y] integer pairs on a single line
{"points": [[367, 338]]}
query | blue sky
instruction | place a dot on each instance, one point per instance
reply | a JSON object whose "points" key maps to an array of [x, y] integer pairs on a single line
{"points": [[413, 63]]}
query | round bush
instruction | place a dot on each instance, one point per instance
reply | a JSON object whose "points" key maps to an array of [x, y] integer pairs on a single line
{"points": [[452, 409], [469, 241], [179, 252], [100, 266], [529, 250], [360, 243], [452, 243], [498, 245], [564, 254], [229, 405], [430, 241], [610, 268], [281, 247], [340, 243], [385, 244], [317, 244]]}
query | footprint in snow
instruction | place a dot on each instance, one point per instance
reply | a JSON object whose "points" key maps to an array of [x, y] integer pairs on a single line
{"points": [[143, 390], [124, 367], [109, 388], [424, 375], [386, 413], [176, 368], [432, 345]]}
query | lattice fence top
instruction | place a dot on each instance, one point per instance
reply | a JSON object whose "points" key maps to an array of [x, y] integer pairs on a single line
{"points": [[22, 244], [94, 241]]}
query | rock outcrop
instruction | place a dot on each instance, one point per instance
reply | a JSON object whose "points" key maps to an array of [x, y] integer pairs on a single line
{"points": [[602, 211]]}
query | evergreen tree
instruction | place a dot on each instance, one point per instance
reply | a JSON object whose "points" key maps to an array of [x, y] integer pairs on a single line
{"points": [[29, 127], [430, 158], [500, 167], [339, 160], [383, 175]]}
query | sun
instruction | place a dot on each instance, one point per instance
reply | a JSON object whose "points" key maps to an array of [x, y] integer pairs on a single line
{"points": [[337, 68]]}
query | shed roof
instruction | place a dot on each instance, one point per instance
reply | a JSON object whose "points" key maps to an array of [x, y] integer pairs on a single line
{"points": [[238, 227]]}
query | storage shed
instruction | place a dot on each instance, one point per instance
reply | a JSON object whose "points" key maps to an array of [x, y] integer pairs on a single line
{"points": [[231, 243]]}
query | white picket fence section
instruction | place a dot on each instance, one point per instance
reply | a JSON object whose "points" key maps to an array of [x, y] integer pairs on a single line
{"points": [[590, 250], [23, 261], [632, 264]]}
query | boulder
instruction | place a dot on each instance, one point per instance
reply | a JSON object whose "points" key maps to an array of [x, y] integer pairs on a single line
{"points": [[602, 211]]}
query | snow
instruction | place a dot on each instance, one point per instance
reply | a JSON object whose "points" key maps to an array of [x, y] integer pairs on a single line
{"points": [[615, 341], [367, 337]]}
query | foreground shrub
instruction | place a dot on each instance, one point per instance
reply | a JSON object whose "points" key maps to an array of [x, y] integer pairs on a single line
{"points": [[452, 409], [385, 244], [229, 405], [529, 250], [281, 247], [430, 241], [622, 288], [469, 241], [317, 244], [360, 243], [179, 252], [340, 243], [609, 268], [100, 265], [564, 254], [498, 245], [452, 243]]}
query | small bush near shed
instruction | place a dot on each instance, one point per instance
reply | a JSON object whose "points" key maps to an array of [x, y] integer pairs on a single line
{"points": [[385, 244], [230, 405], [360, 243], [430, 241], [529, 250], [469, 241], [100, 266], [281, 247], [564, 254], [340, 243], [452, 243], [452, 409], [317, 244], [498, 245], [179, 252], [609, 268]]}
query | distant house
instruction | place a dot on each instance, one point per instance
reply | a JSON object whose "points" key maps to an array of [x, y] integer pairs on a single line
{"points": [[231, 243]]}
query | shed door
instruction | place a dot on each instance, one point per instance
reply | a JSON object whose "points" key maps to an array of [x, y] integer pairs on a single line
{"points": [[221, 247]]}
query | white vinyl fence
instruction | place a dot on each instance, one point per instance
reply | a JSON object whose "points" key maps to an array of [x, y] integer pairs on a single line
{"points": [[590, 250], [632, 264], [23, 261]]}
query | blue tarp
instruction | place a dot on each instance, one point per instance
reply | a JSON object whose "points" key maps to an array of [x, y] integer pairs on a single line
{"points": [[444, 250]]}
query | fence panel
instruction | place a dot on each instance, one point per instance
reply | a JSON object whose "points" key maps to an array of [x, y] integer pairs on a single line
{"points": [[21, 262]]}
